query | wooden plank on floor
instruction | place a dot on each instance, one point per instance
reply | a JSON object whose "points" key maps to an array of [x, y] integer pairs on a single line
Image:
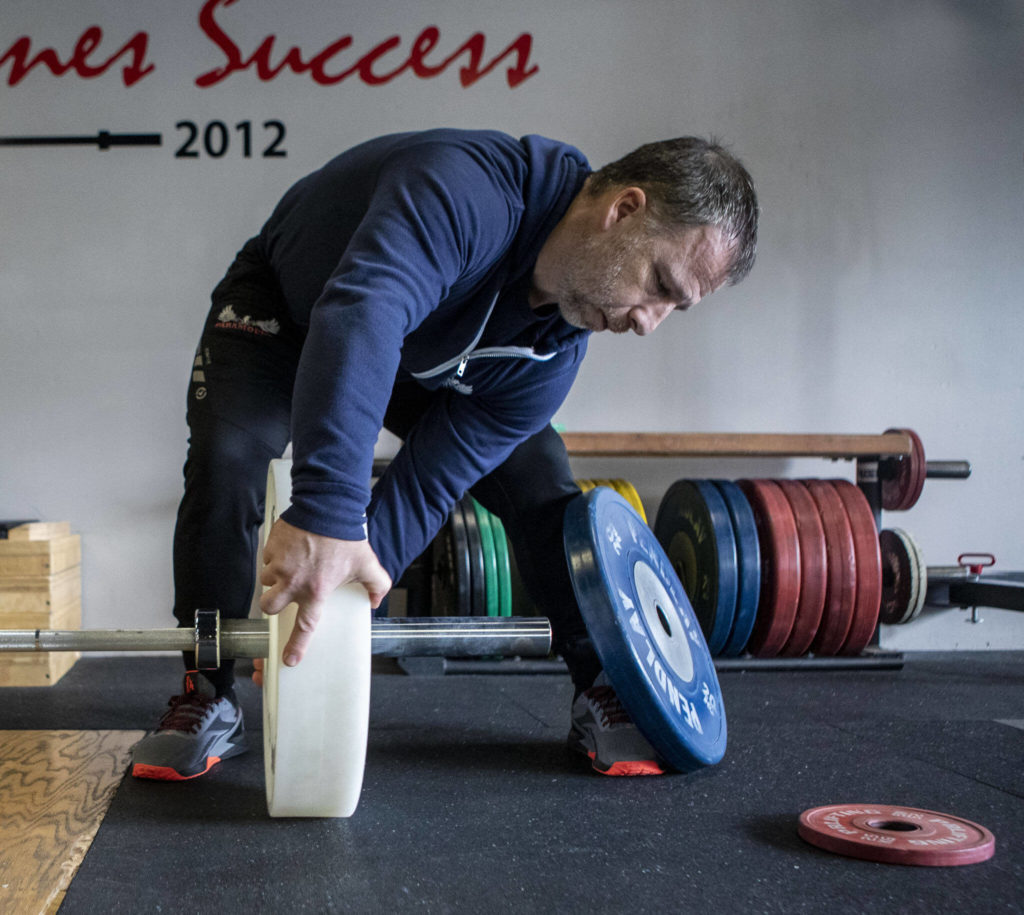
{"points": [[55, 787]]}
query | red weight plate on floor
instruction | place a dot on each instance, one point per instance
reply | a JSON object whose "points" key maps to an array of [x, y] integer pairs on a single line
{"points": [[896, 835], [841, 582], [813, 568], [901, 492], [869, 567], [780, 567]]}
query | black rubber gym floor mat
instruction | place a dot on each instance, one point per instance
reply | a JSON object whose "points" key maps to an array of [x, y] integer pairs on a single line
{"points": [[471, 802]]}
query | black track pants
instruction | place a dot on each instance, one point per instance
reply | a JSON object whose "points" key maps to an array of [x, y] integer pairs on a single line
{"points": [[239, 406]]}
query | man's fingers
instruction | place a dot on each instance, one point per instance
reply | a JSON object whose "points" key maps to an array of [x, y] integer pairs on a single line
{"points": [[275, 599], [377, 585], [302, 632]]}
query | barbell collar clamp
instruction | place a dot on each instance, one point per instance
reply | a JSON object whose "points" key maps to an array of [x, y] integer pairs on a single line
{"points": [[207, 639]]}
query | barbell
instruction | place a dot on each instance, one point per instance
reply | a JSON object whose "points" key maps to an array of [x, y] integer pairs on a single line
{"points": [[316, 715], [212, 639]]}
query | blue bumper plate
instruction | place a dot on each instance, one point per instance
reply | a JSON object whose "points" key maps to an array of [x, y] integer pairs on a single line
{"points": [[644, 630], [749, 555]]}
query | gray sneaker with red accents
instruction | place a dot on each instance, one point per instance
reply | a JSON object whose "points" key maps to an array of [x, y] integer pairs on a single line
{"points": [[603, 731], [197, 731]]}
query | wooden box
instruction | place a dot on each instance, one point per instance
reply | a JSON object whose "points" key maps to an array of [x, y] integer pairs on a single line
{"points": [[34, 530], [42, 601], [40, 588], [27, 558], [35, 668]]}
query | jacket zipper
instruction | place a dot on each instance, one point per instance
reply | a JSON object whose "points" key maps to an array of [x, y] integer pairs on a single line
{"points": [[460, 362]]}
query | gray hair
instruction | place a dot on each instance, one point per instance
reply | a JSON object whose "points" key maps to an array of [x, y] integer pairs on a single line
{"points": [[690, 181]]}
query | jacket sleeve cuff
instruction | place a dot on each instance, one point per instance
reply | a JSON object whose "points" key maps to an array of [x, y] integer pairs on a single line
{"points": [[324, 523]]}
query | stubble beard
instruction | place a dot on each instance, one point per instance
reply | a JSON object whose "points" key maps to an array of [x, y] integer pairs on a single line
{"points": [[589, 290]]}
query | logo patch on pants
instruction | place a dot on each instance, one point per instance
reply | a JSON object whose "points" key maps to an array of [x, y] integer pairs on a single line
{"points": [[228, 319]]}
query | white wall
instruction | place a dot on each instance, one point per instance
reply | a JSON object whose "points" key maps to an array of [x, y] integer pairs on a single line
{"points": [[885, 141]]}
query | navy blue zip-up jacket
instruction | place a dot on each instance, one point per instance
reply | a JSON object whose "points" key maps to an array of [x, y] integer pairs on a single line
{"points": [[410, 258]]}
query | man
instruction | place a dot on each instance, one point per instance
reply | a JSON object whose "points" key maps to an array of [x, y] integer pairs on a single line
{"points": [[442, 285]]}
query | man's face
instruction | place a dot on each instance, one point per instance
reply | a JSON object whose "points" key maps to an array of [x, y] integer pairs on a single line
{"points": [[628, 279]]}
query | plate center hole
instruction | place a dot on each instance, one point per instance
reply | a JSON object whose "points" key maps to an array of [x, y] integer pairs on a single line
{"points": [[663, 620], [894, 825]]}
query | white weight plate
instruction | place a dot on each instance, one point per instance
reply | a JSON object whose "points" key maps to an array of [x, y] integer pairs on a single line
{"points": [[316, 715], [919, 573]]}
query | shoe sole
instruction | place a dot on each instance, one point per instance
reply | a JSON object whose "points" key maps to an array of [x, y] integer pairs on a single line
{"points": [[623, 767], [167, 774], [632, 767], [170, 774]]}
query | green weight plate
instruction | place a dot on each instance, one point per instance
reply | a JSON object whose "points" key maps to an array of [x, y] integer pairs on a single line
{"points": [[483, 520], [504, 567]]}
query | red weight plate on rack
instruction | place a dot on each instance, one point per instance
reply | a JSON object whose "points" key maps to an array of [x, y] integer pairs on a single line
{"points": [[869, 567], [896, 835], [841, 587], [901, 492], [780, 567], [813, 568]]}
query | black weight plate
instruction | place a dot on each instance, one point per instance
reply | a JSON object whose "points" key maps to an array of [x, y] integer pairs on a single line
{"points": [[450, 579], [899, 588], [477, 559], [694, 529], [644, 630], [748, 555]]}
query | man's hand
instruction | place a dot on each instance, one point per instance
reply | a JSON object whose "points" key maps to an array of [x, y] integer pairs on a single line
{"points": [[305, 568]]}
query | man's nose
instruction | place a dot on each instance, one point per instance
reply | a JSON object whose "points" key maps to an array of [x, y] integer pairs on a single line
{"points": [[645, 318]]}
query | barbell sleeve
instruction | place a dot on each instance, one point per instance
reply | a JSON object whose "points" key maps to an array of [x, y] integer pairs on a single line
{"points": [[947, 470]]}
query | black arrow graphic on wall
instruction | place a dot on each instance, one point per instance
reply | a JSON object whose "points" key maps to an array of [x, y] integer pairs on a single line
{"points": [[102, 140]]}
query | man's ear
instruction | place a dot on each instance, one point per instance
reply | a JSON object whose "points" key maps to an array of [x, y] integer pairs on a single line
{"points": [[626, 203]]}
